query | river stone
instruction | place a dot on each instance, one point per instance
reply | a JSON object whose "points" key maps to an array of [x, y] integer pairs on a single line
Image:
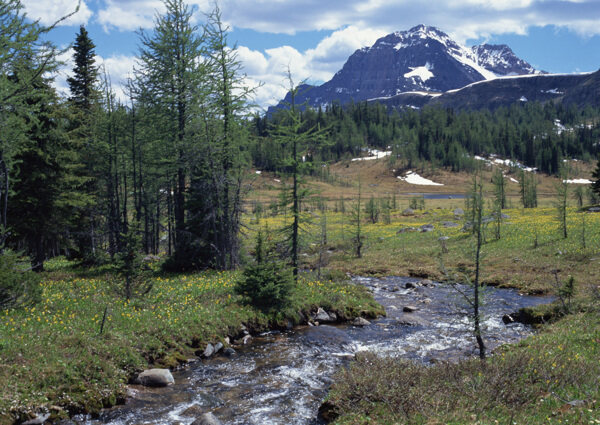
{"points": [[412, 320], [426, 282], [155, 378], [507, 318], [38, 420], [208, 351], [193, 411], [322, 316], [410, 285], [207, 419], [228, 352], [246, 340], [409, 308], [359, 321], [218, 347]]}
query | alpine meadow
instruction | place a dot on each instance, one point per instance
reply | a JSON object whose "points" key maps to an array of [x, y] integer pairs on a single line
{"points": [[299, 213]]}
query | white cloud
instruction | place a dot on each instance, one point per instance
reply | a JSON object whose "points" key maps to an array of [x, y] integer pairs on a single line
{"points": [[48, 12], [128, 15], [314, 65], [460, 18], [482, 17]]}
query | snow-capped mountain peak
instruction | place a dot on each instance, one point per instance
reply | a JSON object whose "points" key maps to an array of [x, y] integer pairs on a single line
{"points": [[421, 59]]}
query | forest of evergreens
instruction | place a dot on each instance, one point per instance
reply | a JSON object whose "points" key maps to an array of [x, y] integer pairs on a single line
{"points": [[526, 132]]}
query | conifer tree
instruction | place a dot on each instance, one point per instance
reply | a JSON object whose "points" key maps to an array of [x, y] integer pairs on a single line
{"points": [[85, 99], [596, 179], [171, 76]]}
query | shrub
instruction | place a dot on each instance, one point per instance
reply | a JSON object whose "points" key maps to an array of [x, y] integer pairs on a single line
{"points": [[18, 284], [268, 283]]}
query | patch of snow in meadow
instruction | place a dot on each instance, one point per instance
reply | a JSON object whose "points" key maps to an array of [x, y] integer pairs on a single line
{"points": [[374, 154], [413, 178]]}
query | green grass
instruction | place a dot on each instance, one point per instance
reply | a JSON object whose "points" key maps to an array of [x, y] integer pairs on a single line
{"points": [[512, 261], [52, 355], [532, 382]]}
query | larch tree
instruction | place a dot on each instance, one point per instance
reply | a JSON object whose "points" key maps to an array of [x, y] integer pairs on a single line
{"points": [[293, 132], [171, 76], [215, 198]]}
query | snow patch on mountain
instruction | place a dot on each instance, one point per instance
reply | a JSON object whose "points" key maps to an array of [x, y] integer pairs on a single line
{"points": [[423, 72]]}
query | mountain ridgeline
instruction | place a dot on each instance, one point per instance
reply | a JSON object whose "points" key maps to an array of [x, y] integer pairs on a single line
{"points": [[424, 66], [422, 59]]}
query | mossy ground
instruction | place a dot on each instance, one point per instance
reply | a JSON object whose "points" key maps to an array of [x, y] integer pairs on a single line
{"points": [[53, 357]]}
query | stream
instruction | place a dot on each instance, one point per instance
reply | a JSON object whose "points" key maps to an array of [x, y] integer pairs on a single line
{"points": [[282, 377]]}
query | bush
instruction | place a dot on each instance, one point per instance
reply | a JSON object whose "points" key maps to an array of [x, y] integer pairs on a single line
{"points": [[268, 283], [18, 284]]}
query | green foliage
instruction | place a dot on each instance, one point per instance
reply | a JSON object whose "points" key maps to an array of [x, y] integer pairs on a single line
{"points": [[561, 202], [268, 283], [129, 260], [372, 210], [596, 180], [440, 136], [528, 189], [18, 284], [417, 203]]}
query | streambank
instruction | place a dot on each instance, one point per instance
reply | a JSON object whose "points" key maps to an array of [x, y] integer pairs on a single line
{"points": [[284, 375]]}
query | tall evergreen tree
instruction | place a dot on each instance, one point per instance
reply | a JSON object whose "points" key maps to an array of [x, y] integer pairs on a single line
{"points": [[216, 191], [84, 82], [85, 102], [172, 76], [24, 57], [46, 187]]}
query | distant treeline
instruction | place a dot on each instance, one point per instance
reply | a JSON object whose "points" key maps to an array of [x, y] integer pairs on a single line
{"points": [[534, 134]]}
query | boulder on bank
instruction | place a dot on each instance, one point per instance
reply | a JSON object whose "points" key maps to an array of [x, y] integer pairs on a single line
{"points": [[322, 316], [359, 321], [228, 352], [409, 309], [408, 211], [155, 378], [459, 212], [207, 419], [208, 351]]}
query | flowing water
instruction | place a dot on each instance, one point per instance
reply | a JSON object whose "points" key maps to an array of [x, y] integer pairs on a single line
{"points": [[282, 377]]}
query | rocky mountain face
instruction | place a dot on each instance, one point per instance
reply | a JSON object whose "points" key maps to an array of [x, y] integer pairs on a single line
{"points": [[501, 60], [422, 59]]}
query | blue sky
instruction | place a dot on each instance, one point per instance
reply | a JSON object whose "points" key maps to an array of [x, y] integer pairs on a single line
{"points": [[315, 37]]}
